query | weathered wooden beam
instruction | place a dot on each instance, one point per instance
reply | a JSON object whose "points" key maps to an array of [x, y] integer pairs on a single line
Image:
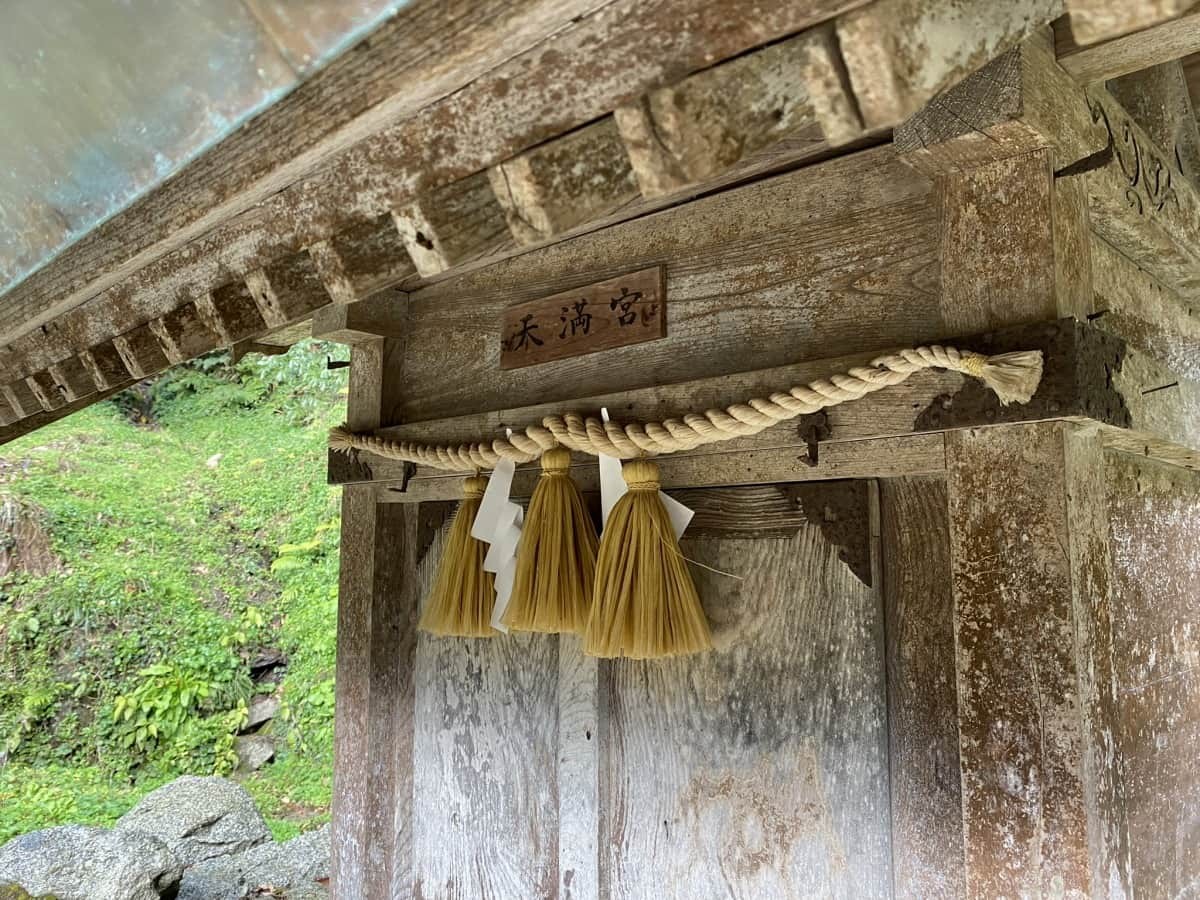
{"points": [[265, 298], [7, 414], [1021, 102], [901, 53], [332, 269], [1092, 21], [1042, 808], [918, 455], [166, 340], [692, 131], [565, 182], [450, 224], [382, 315], [371, 255], [1089, 375], [1163, 43], [41, 418], [858, 271], [536, 92]]}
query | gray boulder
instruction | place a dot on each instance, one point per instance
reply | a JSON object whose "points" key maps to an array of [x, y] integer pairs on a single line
{"points": [[292, 867], [254, 751], [198, 818], [78, 862]]}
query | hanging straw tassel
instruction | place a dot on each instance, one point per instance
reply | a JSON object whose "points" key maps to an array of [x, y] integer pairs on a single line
{"points": [[645, 603], [556, 558], [460, 604]]}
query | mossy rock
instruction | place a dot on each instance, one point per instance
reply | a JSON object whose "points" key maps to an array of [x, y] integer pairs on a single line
{"points": [[10, 891]]}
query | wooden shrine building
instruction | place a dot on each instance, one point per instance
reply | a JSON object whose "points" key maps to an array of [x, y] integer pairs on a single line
{"points": [[956, 643]]}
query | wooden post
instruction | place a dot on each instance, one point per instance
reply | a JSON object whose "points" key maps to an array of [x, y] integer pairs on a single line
{"points": [[1041, 797], [376, 641]]}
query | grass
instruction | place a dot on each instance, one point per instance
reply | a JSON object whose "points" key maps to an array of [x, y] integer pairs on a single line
{"points": [[191, 541]]}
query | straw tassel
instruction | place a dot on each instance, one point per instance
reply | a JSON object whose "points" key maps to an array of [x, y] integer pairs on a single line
{"points": [[556, 558], [645, 604], [460, 604]]}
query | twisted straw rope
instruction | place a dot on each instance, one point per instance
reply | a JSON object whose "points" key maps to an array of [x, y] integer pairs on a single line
{"points": [[633, 439]]}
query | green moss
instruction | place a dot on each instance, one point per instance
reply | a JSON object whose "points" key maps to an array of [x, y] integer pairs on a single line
{"points": [[188, 545]]}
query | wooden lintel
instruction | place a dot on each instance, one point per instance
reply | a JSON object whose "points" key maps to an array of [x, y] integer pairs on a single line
{"points": [[915, 455], [378, 316], [1089, 376], [1161, 43]]}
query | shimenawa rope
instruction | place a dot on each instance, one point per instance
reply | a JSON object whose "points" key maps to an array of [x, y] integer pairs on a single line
{"points": [[1014, 378]]}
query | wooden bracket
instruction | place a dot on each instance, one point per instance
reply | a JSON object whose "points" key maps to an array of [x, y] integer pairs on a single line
{"points": [[378, 316]]}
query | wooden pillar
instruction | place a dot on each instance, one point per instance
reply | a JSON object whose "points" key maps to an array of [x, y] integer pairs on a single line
{"points": [[376, 641], [1041, 793]]}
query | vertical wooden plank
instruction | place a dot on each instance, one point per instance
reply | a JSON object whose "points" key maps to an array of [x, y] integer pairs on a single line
{"points": [[1155, 535], [1041, 794], [485, 807], [578, 772], [927, 824], [1093, 609], [758, 770]]}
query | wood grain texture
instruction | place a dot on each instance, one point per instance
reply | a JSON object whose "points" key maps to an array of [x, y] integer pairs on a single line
{"points": [[739, 266], [590, 318], [1098, 20], [900, 53], [926, 815], [425, 53], [565, 182], [1019, 102], [997, 245], [1155, 522], [485, 795], [1042, 806], [758, 770], [692, 131], [374, 684], [1158, 44]]}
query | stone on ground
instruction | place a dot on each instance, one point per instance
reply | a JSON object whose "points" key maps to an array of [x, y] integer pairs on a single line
{"points": [[199, 818], [292, 867], [79, 862]]}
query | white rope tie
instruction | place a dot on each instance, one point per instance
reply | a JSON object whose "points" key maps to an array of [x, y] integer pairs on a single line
{"points": [[1013, 376]]}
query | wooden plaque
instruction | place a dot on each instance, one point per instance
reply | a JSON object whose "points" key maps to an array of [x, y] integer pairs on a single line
{"points": [[624, 310]]}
